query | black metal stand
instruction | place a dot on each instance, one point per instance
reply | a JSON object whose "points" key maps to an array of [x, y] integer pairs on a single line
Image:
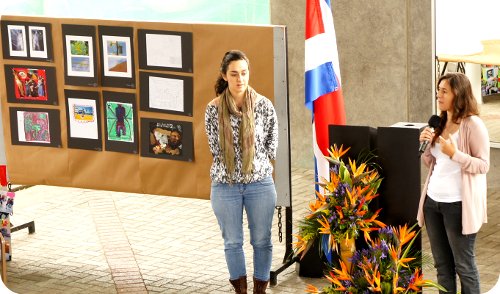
{"points": [[30, 225], [289, 258]]}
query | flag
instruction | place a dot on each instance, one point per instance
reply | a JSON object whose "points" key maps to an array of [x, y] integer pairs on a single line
{"points": [[323, 91]]}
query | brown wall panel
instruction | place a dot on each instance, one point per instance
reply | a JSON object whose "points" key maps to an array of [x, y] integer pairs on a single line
{"points": [[106, 170]]}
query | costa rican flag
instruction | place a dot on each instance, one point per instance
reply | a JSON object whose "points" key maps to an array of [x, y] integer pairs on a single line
{"points": [[323, 92]]}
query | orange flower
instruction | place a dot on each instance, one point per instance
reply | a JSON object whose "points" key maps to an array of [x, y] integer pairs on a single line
{"points": [[312, 289], [342, 274], [403, 235], [370, 178], [334, 182], [337, 153], [357, 171], [339, 275], [374, 220], [325, 226], [404, 261], [417, 281], [300, 245]]}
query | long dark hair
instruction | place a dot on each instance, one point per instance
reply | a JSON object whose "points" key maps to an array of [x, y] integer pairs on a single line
{"points": [[464, 103], [233, 55]]}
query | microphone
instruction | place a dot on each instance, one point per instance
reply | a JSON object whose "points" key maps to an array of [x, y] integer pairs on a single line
{"points": [[434, 122]]}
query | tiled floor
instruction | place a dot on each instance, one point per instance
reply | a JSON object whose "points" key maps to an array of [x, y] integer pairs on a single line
{"points": [[90, 241], [490, 113]]}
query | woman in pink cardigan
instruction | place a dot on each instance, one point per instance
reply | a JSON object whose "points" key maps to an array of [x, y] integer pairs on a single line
{"points": [[453, 201]]}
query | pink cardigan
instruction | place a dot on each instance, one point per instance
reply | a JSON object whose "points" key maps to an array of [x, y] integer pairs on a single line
{"points": [[473, 155]]}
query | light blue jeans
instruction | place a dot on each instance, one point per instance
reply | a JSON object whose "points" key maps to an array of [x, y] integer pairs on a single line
{"points": [[259, 200]]}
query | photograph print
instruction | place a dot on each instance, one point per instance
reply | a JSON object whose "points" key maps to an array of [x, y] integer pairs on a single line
{"points": [[121, 122], [38, 41], [79, 56], [117, 56], [17, 41], [80, 61], [26, 84], [167, 139], [39, 127], [27, 40]]}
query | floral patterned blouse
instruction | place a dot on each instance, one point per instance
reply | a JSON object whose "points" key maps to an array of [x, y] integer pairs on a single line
{"points": [[266, 142]]}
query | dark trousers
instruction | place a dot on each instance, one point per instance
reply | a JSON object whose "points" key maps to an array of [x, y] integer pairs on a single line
{"points": [[452, 251]]}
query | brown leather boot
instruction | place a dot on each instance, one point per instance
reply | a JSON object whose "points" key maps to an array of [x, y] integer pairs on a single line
{"points": [[240, 285], [259, 287]]}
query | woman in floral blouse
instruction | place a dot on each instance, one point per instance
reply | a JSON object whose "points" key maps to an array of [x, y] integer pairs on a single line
{"points": [[242, 130]]}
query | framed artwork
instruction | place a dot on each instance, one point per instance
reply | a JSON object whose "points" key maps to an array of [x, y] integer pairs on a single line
{"points": [[31, 84], [490, 80], [80, 61], [120, 114], [166, 93], [167, 139], [165, 50], [117, 57], [83, 120], [35, 127], [27, 40]]}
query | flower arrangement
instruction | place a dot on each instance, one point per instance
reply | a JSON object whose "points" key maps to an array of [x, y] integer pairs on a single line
{"points": [[384, 267], [341, 212]]}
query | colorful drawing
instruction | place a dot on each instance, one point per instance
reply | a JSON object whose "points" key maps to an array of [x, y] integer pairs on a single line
{"points": [[30, 84], [36, 127], [120, 121], [165, 138], [83, 113]]}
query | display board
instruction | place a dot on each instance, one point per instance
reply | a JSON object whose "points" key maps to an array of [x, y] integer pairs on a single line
{"points": [[94, 103]]}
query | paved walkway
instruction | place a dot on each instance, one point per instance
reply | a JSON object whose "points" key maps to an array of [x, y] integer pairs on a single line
{"points": [[89, 241]]}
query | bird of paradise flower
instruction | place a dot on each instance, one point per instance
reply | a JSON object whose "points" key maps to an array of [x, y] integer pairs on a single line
{"points": [[342, 211], [386, 266]]}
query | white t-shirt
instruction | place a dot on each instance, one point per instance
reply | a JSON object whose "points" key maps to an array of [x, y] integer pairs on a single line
{"points": [[446, 179]]}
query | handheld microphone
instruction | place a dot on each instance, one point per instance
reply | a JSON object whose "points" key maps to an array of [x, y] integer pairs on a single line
{"points": [[434, 122]]}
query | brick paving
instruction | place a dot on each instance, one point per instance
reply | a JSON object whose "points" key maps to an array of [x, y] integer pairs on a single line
{"points": [[90, 241]]}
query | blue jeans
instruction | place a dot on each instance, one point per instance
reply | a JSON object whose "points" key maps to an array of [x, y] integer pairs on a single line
{"points": [[453, 252], [259, 200]]}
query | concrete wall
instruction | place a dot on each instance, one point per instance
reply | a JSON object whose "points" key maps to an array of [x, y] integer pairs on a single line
{"points": [[386, 61], [385, 51]]}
